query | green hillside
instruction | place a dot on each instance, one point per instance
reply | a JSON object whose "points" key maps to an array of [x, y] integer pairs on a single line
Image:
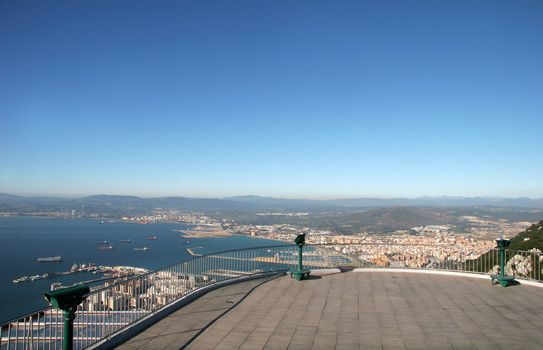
{"points": [[531, 238], [527, 264]]}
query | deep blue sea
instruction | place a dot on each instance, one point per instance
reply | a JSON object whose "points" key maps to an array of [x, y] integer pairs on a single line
{"points": [[23, 240]]}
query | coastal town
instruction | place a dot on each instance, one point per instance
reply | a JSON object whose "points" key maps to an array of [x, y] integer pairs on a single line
{"points": [[414, 247], [429, 246], [420, 246]]}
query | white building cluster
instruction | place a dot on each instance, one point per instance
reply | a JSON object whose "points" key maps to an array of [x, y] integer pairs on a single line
{"points": [[145, 293]]}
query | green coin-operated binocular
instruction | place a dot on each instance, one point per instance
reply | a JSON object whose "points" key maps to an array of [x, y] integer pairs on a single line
{"points": [[300, 240], [300, 273], [502, 244], [67, 300]]}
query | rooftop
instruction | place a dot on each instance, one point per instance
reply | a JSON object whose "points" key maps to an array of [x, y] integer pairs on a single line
{"points": [[359, 309]]}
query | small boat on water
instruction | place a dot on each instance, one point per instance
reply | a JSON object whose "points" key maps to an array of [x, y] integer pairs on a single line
{"points": [[152, 238], [57, 258], [31, 278], [104, 242], [22, 279], [56, 285], [141, 249], [106, 247], [125, 240]]}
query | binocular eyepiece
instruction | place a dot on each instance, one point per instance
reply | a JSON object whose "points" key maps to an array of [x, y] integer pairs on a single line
{"points": [[67, 298], [300, 240]]}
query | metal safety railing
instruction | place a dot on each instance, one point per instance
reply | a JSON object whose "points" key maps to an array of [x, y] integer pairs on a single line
{"points": [[117, 306], [446, 257]]}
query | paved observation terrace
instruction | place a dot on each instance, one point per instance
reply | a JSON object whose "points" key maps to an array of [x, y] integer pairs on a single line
{"points": [[366, 310]]}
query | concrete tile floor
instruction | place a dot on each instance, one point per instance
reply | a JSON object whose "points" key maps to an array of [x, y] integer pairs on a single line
{"points": [[356, 310], [381, 310], [177, 329]]}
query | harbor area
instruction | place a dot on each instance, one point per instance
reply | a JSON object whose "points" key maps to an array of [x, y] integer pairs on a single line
{"points": [[104, 273]]}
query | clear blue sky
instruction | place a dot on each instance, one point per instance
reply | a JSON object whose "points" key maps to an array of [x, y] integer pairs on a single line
{"points": [[313, 99]]}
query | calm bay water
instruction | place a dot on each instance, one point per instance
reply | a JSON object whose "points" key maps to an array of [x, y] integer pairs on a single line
{"points": [[23, 240]]}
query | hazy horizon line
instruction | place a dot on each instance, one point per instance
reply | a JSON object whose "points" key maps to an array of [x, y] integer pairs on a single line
{"points": [[317, 198]]}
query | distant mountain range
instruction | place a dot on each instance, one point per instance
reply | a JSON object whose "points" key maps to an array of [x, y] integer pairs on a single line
{"points": [[443, 201], [131, 204]]}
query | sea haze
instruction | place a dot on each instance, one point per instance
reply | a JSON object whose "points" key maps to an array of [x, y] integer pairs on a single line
{"points": [[23, 240], [118, 206]]}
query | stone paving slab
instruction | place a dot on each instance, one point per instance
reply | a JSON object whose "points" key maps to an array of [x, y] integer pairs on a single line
{"points": [[380, 310], [177, 329]]}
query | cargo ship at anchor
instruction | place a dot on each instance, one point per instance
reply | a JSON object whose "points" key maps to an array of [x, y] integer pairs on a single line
{"points": [[142, 249], [57, 258]]}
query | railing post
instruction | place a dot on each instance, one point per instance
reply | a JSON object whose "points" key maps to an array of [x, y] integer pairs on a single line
{"points": [[299, 258], [68, 333], [67, 300], [501, 246]]}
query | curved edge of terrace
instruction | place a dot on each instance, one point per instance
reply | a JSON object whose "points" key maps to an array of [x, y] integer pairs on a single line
{"points": [[141, 325], [160, 334]]}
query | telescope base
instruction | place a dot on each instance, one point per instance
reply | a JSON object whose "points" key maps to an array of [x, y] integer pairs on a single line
{"points": [[300, 274], [503, 280]]}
